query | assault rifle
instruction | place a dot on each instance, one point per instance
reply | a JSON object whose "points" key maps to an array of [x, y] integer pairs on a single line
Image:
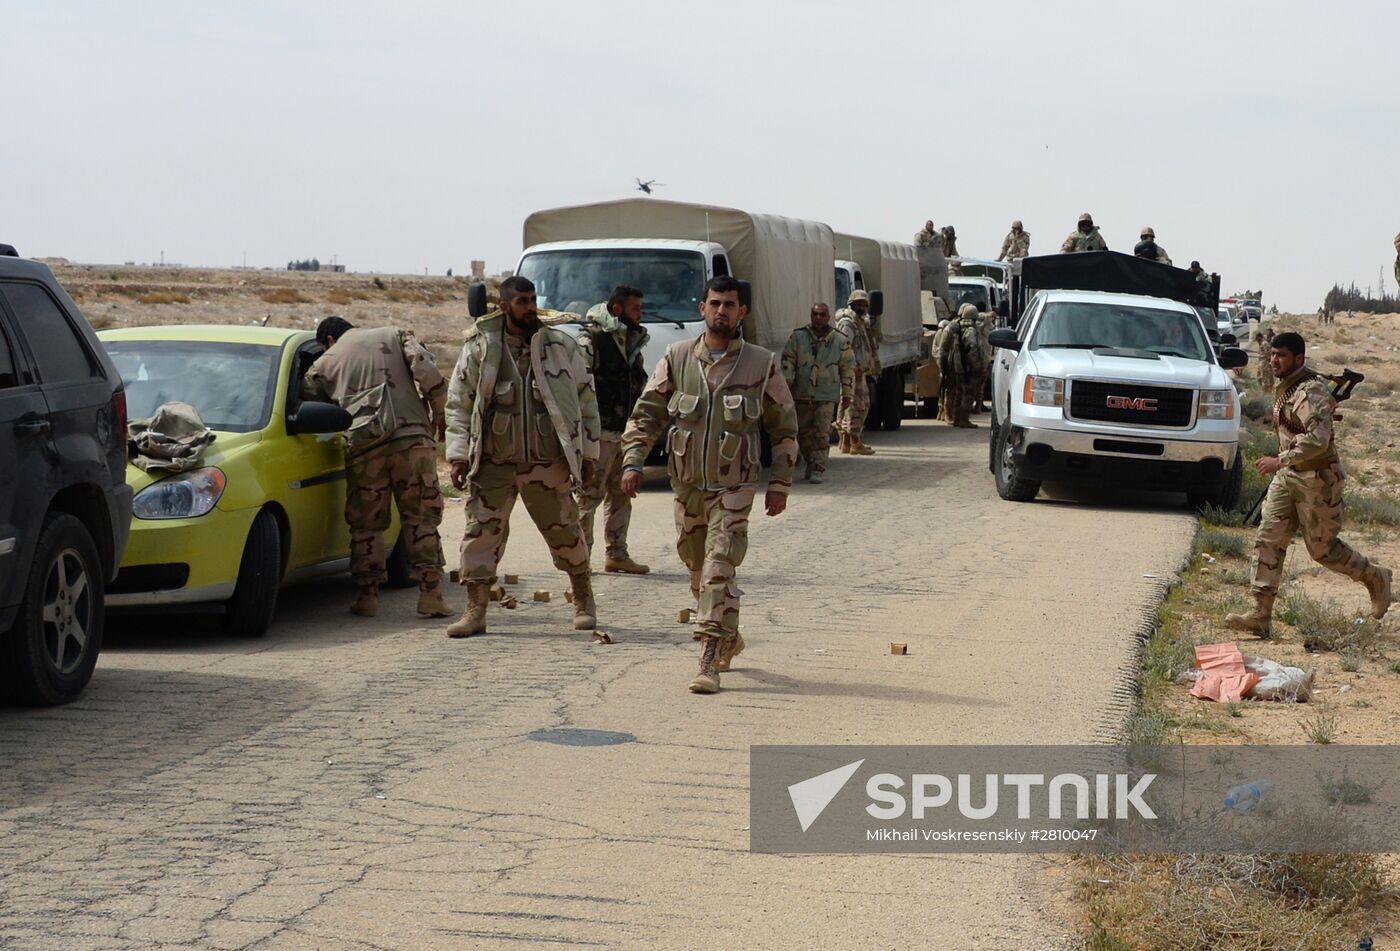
{"points": [[1341, 386]]}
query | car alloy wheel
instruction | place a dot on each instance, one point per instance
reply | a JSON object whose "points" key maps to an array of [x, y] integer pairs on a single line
{"points": [[67, 611]]}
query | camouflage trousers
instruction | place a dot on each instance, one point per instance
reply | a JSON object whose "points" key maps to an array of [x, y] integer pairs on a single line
{"points": [[853, 417], [546, 489], [1266, 374], [406, 474], [814, 419], [712, 536], [606, 490], [1311, 501]]}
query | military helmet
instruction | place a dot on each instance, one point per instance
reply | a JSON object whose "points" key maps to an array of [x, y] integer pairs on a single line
{"points": [[1146, 248], [1086, 218], [1016, 224], [856, 295], [967, 310], [1147, 232]]}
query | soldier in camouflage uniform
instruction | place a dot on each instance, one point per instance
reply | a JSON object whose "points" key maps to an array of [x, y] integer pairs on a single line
{"points": [[1397, 259], [1306, 492], [950, 241], [949, 395], [1265, 341], [522, 422], [854, 323], [1149, 235], [394, 393], [718, 390], [960, 360], [1085, 237], [1016, 244], [612, 342], [930, 237], [820, 369]]}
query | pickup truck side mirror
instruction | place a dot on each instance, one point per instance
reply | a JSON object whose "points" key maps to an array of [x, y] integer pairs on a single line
{"points": [[877, 303], [1229, 340], [1232, 358], [746, 294], [313, 418], [1004, 338], [476, 300]]}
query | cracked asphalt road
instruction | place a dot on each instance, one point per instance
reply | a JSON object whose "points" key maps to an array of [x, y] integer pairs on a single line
{"points": [[362, 784]]}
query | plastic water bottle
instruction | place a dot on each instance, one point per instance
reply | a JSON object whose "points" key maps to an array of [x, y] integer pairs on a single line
{"points": [[1246, 796]]}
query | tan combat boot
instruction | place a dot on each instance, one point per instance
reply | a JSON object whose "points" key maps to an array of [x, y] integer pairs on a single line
{"points": [[430, 602], [1258, 621], [816, 477], [623, 564], [366, 602], [729, 648], [473, 620], [859, 447], [1377, 581], [585, 610], [844, 443], [707, 680]]}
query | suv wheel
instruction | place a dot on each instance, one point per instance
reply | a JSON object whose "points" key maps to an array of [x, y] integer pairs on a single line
{"points": [[1009, 486], [254, 598], [1227, 496], [52, 649]]}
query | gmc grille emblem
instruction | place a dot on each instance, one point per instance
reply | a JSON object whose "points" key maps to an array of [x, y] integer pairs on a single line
{"points": [[1140, 403]]}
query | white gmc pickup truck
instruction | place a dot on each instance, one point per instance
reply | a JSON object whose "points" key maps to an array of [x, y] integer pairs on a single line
{"points": [[1120, 388]]}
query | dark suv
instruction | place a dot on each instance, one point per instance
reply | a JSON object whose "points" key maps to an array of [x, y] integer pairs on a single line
{"points": [[65, 508]]}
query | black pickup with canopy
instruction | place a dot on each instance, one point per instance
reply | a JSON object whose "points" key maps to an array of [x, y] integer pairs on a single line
{"points": [[1109, 271]]}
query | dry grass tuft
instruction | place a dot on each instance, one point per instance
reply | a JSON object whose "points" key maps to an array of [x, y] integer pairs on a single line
{"points": [[163, 297], [285, 295]]}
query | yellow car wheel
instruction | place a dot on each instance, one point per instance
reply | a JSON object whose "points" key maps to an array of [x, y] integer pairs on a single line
{"points": [[254, 598]]}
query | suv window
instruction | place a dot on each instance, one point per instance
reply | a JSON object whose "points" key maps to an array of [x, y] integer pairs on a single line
{"points": [[9, 376], [58, 351]]}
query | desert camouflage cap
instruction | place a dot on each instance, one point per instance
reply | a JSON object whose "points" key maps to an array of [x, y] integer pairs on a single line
{"points": [[1086, 217], [1016, 224], [1147, 232], [858, 295]]}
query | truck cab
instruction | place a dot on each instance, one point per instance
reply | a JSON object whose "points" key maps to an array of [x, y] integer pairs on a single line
{"points": [[848, 278], [575, 275]]}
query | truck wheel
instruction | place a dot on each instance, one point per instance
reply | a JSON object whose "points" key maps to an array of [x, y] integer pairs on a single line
{"points": [[397, 565], [891, 393], [873, 416], [1009, 486], [50, 652], [1227, 496], [254, 598], [992, 441]]}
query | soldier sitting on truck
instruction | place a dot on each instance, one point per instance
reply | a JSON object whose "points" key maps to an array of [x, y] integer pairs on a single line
{"points": [[1085, 237]]}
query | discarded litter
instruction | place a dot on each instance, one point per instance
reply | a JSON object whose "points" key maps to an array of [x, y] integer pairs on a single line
{"points": [[602, 637], [1246, 796], [512, 579], [1224, 674], [541, 595], [897, 648], [509, 603], [684, 615]]}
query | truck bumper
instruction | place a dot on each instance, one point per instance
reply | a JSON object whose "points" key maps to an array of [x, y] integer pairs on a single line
{"points": [[1128, 461]]}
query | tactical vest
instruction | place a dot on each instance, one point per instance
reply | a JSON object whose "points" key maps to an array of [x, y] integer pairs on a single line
{"points": [[520, 428], [615, 381], [1286, 421], [818, 372], [715, 441]]}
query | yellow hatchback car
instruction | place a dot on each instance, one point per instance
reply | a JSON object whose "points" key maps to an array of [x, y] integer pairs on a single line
{"points": [[266, 507]]}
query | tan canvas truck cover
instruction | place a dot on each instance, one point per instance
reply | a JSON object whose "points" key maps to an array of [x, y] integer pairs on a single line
{"points": [[788, 261], [893, 269]]}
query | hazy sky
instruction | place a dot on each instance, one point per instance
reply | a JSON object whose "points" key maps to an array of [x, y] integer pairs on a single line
{"points": [[1261, 138]]}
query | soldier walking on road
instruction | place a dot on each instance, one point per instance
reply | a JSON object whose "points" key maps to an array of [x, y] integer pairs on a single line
{"points": [[853, 322], [612, 343], [1085, 237], [1016, 244], [394, 393], [819, 368], [1306, 492], [1265, 341], [960, 360], [522, 422], [717, 389]]}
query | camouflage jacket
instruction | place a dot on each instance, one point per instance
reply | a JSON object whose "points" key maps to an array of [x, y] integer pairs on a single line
{"points": [[819, 368], [716, 406], [1303, 409], [927, 239], [862, 337], [479, 389], [1015, 246], [960, 347], [376, 374], [613, 352], [1079, 241], [1162, 255]]}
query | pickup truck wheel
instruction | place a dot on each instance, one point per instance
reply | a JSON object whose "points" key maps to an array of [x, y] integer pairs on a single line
{"points": [[890, 392], [49, 654], [1009, 486], [992, 441], [254, 598], [1228, 495], [397, 565], [928, 407]]}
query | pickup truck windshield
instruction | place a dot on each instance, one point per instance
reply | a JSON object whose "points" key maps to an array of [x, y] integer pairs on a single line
{"points": [[1084, 325], [974, 294], [673, 281]]}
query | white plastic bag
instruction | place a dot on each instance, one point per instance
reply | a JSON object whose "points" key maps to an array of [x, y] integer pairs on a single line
{"points": [[1277, 682]]}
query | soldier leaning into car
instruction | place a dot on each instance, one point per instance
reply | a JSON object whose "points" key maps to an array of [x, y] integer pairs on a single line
{"points": [[395, 395], [718, 390], [522, 422], [1305, 491], [820, 369], [612, 342]]}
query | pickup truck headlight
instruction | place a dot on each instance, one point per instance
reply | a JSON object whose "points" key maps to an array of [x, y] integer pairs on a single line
{"points": [[1216, 404], [1044, 391], [184, 495]]}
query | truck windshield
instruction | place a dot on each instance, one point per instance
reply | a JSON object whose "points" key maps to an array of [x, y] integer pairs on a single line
{"points": [[974, 294], [1085, 325], [673, 281], [843, 286]]}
